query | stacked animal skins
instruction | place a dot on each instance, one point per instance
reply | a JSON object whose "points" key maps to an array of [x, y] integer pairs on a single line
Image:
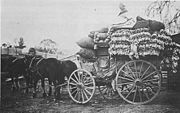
{"points": [[100, 36], [88, 45], [120, 43], [138, 42]]}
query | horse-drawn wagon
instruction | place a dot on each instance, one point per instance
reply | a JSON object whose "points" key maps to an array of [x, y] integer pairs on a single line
{"points": [[128, 66]]}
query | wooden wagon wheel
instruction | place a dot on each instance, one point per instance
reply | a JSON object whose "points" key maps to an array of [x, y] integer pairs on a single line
{"points": [[108, 92], [81, 86], [138, 82]]}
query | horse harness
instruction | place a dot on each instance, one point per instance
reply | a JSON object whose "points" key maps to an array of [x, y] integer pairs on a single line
{"points": [[39, 60]]}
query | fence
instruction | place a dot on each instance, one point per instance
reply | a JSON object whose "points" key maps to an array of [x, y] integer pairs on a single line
{"points": [[58, 56], [11, 51]]}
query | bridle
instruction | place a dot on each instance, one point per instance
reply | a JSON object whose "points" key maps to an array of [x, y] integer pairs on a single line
{"points": [[30, 67]]}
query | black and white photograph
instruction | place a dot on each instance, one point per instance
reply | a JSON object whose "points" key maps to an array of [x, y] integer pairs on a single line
{"points": [[90, 56]]}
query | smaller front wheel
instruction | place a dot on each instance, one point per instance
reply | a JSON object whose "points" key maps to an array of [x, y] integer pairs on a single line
{"points": [[81, 86]]}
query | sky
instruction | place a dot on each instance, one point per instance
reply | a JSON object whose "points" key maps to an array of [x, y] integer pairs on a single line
{"points": [[63, 21]]}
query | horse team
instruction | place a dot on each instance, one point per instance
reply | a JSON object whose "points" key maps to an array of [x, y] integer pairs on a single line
{"points": [[35, 68]]}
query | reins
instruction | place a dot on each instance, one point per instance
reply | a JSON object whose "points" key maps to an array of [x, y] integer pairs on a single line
{"points": [[30, 65]]}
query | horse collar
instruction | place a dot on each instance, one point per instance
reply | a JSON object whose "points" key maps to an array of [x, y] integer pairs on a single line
{"points": [[31, 62], [15, 60], [39, 61]]}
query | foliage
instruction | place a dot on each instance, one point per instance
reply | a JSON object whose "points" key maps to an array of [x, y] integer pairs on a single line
{"points": [[167, 12], [47, 46]]}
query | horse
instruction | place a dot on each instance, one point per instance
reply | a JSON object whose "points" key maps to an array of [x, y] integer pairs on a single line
{"points": [[17, 68], [6, 60], [67, 68], [54, 70]]}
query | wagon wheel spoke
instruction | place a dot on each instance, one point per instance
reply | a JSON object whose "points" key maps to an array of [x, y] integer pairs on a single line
{"points": [[82, 95], [79, 77], [152, 91], [73, 87], [127, 74], [130, 92], [76, 94], [131, 71], [125, 78], [74, 91], [86, 79], [73, 79], [150, 80], [126, 88], [83, 78], [87, 91], [85, 94], [86, 84], [73, 83], [136, 76], [125, 83], [76, 78], [146, 95], [89, 87], [148, 75], [153, 85], [140, 96], [134, 96], [145, 72], [141, 68]]}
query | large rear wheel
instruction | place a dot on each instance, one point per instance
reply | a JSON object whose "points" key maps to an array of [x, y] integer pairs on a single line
{"points": [[138, 82], [81, 86]]}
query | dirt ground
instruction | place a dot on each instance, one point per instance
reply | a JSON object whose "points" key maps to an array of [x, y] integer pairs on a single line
{"points": [[19, 102]]}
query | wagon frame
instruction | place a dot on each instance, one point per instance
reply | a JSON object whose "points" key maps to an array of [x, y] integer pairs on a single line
{"points": [[136, 82]]}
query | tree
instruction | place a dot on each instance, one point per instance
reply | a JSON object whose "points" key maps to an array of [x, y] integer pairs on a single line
{"points": [[48, 46], [167, 13]]}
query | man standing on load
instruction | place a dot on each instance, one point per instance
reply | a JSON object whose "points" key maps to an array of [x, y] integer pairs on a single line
{"points": [[32, 52]]}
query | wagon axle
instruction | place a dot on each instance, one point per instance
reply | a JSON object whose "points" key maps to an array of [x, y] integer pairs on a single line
{"points": [[138, 82], [80, 86]]}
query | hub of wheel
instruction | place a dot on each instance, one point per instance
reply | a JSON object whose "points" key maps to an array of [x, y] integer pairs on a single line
{"points": [[138, 82], [80, 86]]}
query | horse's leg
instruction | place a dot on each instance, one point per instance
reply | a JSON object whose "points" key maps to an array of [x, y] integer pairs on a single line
{"points": [[50, 88], [43, 86], [27, 80], [17, 83], [35, 81], [13, 84], [57, 91]]}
